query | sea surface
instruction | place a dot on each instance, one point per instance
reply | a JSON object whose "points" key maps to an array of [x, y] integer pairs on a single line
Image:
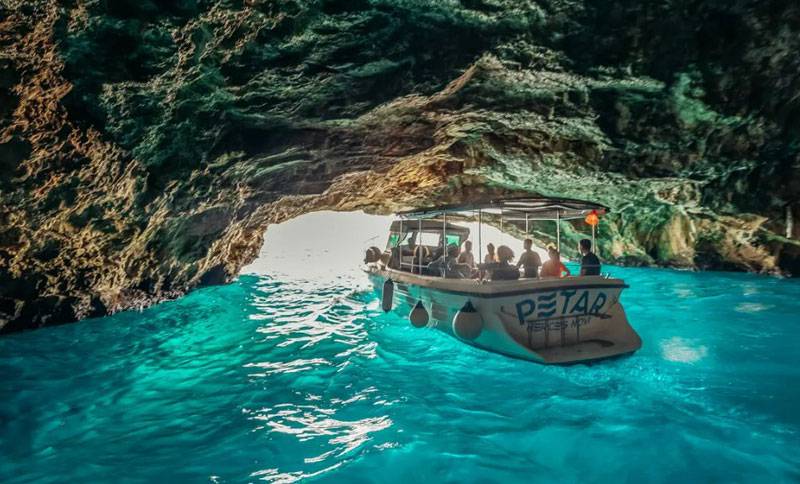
{"points": [[295, 374]]}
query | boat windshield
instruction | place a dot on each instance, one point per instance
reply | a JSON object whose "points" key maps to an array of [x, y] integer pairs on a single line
{"points": [[426, 238]]}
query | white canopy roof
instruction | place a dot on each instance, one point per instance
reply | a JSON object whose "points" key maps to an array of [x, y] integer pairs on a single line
{"points": [[521, 209]]}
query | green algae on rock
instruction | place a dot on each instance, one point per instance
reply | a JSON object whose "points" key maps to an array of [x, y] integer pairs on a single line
{"points": [[146, 145]]}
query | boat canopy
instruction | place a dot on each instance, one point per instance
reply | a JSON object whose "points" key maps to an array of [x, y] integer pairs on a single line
{"points": [[515, 209], [429, 225]]}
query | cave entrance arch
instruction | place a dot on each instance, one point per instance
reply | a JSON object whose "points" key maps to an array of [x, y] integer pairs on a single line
{"points": [[329, 246]]}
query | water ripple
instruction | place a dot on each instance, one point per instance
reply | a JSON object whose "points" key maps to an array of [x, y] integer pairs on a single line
{"points": [[289, 380]]}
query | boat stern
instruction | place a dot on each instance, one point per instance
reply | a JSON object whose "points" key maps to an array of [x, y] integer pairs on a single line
{"points": [[573, 320]]}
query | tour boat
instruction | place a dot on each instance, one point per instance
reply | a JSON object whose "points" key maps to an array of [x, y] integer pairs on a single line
{"points": [[546, 320]]}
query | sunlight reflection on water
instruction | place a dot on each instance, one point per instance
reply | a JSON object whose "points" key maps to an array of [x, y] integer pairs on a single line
{"points": [[282, 377], [681, 350], [751, 307]]}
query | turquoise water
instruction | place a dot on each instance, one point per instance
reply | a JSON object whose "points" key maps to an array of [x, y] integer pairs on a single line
{"points": [[277, 380]]}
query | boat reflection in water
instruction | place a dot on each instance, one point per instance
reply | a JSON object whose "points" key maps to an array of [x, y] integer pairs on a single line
{"points": [[546, 320]]}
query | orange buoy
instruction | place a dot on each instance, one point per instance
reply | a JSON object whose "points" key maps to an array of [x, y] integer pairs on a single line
{"points": [[593, 218]]}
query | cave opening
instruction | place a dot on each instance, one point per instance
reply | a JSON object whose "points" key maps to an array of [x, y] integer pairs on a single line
{"points": [[328, 246], [320, 246]]}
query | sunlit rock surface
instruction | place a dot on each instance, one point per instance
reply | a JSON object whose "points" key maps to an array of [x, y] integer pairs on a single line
{"points": [[145, 145]]}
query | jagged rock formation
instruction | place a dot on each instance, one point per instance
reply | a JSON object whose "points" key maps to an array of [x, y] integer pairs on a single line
{"points": [[146, 144]]}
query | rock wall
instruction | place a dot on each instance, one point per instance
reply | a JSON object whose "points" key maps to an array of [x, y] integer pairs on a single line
{"points": [[145, 145]]}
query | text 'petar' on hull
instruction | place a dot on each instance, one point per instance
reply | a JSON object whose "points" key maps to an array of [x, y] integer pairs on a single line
{"points": [[550, 320]]}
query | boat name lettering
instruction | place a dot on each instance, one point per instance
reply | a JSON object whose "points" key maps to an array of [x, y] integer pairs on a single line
{"points": [[558, 323], [567, 302]]}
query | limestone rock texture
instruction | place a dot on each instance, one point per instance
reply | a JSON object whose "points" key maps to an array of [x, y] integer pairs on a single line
{"points": [[145, 145]]}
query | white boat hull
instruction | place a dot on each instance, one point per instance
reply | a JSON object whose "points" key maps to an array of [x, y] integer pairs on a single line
{"points": [[550, 321]]}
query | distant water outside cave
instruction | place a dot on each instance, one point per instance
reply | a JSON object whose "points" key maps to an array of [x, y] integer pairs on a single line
{"points": [[294, 372]]}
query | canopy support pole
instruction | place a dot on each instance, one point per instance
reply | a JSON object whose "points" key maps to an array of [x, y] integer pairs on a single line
{"points": [[400, 245], [480, 244], [594, 244], [444, 240], [419, 246], [789, 221], [526, 223], [558, 231], [501, 220]]}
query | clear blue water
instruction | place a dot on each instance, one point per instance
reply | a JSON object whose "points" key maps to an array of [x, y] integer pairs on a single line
{"points": [[277, 380]]}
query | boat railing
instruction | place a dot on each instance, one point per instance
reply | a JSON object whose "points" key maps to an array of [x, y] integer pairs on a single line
{"points": [[419, 223]]}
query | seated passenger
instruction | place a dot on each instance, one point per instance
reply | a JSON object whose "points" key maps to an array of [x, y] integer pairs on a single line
{"points": [[490, 257], [466, 257], [448, 266], [403, 255], [422, 255], [410, 246], [529, 260], [590, 263], [458, 269], [502, 269], [554, 267]]}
